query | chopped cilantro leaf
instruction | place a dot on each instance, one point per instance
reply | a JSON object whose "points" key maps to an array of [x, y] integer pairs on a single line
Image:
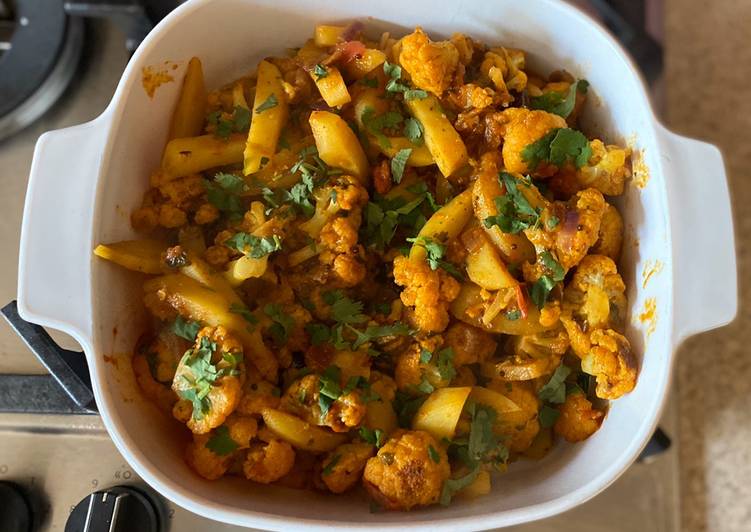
{"points": [[434, 454], [415, 94], [406, 407], [392, 70], [515, 213], [232, 183], [398, 163], [552, 265], [540, 290], [379, 331], [555, 389], [414, 131], [552, 222], [329, 388], [320, 71], [446, 364], [394, 85], [373, 436], [319, 333], [513, 315], [425, 386], [282, 323], [238, 122], [244, 312], [187, 329], [434, 252], [253, 246], [376, 124], [452, 486], [558, 102], [221, 443], [331, 465], [344, 309], [557, 147], [425, 356], [548, 416], [267, 104], [223, 193]]}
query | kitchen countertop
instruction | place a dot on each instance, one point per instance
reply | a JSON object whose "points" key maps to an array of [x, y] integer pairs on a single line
{"points": [[708, 96]]}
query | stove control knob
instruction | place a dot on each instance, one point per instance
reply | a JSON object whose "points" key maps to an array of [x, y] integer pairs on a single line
{"points": [[116, 509], [15, 512]]}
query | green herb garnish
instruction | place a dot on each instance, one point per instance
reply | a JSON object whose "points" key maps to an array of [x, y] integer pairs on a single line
{"points": [[560, 103], [221, 443], [554, 390], [434, 454], [187, 329], [373, 436], [331, 465], [282, 323], [320, 71], [558, 147], [267, 104], [414, 131], [515, 213], [253, 246], [398, 163]]}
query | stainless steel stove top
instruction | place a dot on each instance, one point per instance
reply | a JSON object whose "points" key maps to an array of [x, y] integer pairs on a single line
{"points": [[58, 460]]}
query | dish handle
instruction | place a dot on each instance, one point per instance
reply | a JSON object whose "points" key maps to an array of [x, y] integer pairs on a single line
{"points": [[704, 268], [55, 260]]}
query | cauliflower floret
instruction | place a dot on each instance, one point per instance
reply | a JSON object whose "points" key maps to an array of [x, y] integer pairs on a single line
{"points": [[428, 292], [335, 226], [403, 475], [203, 460], [610, 236], [504, 68], [470, 344], [209, 377], [432, 65], [607, 168], [343, 467], [522, 128], [595, 297], [268, 462], [156, 392], [520, 427], [576, 231], [610, 360], [344, 413], [471, 96], [259, 394], [242, 429], [410, 369], [183, 192], [383, 385], [578, 420]]}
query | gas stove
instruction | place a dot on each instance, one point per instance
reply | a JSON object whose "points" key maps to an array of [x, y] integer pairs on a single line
{"points": [[59, 471]]}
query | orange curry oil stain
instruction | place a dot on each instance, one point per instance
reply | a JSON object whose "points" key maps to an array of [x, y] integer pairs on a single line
{"points": [[111, 360], [152, 77], [651, 268], [639, 170], [649, 316]]}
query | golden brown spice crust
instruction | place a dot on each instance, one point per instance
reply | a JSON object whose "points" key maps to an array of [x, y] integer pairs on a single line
{"points": [[301, 399], [403, 475], [429, 291], [432, 65], [578, 420], [522, 128], [268, 462], [342, 468]]}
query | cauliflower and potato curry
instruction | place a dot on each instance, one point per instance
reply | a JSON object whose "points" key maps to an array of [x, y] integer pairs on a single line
{"points": [[383, 263]]}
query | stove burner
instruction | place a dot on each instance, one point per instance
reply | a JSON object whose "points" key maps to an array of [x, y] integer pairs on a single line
{"points": [[39, 51]]}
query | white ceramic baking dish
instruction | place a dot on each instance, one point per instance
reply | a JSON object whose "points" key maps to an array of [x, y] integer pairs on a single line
{"points": [[86, 179]]}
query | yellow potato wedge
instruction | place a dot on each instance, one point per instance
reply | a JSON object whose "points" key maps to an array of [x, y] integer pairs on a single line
{"points": [[479, 487], [445, 224], [325, 35], [440, 413], [331, 86], [484, 265], [500, 403], [138, 255], [338, 145], [444, 143], [420, 155], [365, 63], [469, 298], [381, 415], [270, 112], [514, 248], [191, 155], [204, 304], [301, 434], [189, 114]]}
